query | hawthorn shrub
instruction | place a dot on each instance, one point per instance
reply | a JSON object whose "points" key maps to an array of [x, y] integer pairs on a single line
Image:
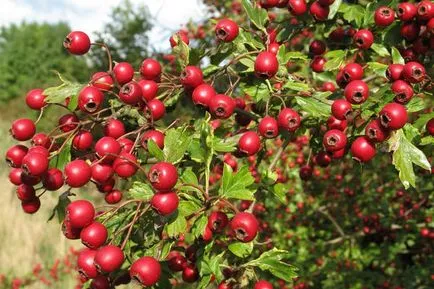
{"points": [[282, 144]]}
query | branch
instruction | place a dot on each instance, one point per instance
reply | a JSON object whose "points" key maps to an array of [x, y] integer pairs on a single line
{"points": [[278, 154], [337, 226]]}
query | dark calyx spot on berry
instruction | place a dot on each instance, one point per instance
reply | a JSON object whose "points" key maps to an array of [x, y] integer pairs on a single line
{"points": [[215, 225], [400, 11], [220, 111], [347, 76], [263, 75], [67, 42], [154, 176], [136, 278], [91, 106], [83, 274], [222, 34], [357, 97], [184, 75], [126, 89], [421, 10], [332, 140], [269, 133], [292, 122], [372, 133], [417, 72], [385, 12], [348, 114], [241, 234], [385, 120], [9, 162], [360, 41]]}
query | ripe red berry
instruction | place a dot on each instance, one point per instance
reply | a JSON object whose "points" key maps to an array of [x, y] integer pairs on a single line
{"points": [[149, 89], [101, 172], [82, 140], [176, 262], [268, 127], [393, 116], [100, 282], [217, 221], [406, 11], [113, 197], [394, 71], [317, 64], [77, 43], [352, 71], [319, 12], [384, 16], [31, 206], [430, 126], [222, 106], [107, 148], [68, 122], [363, 39], [425, 10], [245, 226], [403, 91], [341, 109], [226, 30], [249, 143], [163, 176], [334, 123], [77, 173], [273, 48], [334, 140], [130, 93], [154, 109], [203, 94], [191, 77], [80, 213], [190, 274], [90, 99], [262, 284], [35, 164], [126, 144], [413, 72], [165, 203], [288, 119], [114, 128], [297, 7], [326, 2], [35, 99], [29, 180], [181, 35], [23, 129], [146, 271], [125, 165], [410, 31], [109, 259], [356, 92], [15, 155], [306, 172], [41, 139], [150, 69], [53, 179], [317, 47], [94, 235], [123, 72], [70, 232], [102, 80], [85, 263], [25, 192], [362, 149], [15, 176], [323, 159], [266, 65], [376, 132], [156, 136]]}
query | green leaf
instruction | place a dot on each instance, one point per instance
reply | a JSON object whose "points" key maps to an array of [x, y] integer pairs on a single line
{"points": [[176, 142], [258, 90], [249, 63], [64, 156], [236, 185], [353, 13], [60, 93], [73, 102], [297, 86], [140, 191], [225, 145], [187, 208], [272, 261], [428, 140], [154, 150], [396, 56], [334, 8], [378, 68], [177, 225], [189, 177], [199, 226], [59, 209], [240, 249], [335, 59], [380, 49], [405, 154], [415, 104], [280, 190], [257, 16], [314, 107], [181, 52]]}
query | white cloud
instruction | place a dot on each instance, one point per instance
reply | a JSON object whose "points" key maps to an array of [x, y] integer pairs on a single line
{"points": [[90, 15]]}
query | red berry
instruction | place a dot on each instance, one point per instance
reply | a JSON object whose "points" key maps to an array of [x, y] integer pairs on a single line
{"points": [[68, 122], [15, 155], [82, 140], [222, 106], [180, 36], [326, 2], [69, 232], [31, 206], [80, 213], [107, 148], [262, 284], [334, 123], [35, 164], [53, 179], [413, 72], [393, 116], [245, 226], [362, 149], [90, 99], [156, 136], [306, 172], [317, 47], [94, 235], [403, 91], [273, 48], [394, 71], [149, 89], [410, 31], [109, 259], [217, 221], [425, 10], [102, 80], [334, 140], [30, 180], [317, 64], [266, 65], [191, 77], [406, 11], [352, 71], [125, 165], [114, 128], [25, 192], [165, 203], [15, 176], [101, 173], [123, 72], [163, 176], [23, 129], [77, 43], [77, 173], [341, 109], [384, 16], [100, 282], [203, 94], [41, 139], [356, 92], [190, 274], [376, 132], [130, 93], [85, 263], [35, 99], [319, 12], [249, 143], [113, 197], [226, 30], [176, 262], [155, 109], [430, 126], [268, 127], [323, 159], [363, 39], [150, 69], [297, 7], [289, 119], [126, 144], [146, 271]]}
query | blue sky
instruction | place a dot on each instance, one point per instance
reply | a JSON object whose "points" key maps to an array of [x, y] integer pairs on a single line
{"points": [[89, 15]]}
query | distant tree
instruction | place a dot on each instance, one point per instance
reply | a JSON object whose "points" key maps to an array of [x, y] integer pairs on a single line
{"points": [[125, 34], [29, 53]]}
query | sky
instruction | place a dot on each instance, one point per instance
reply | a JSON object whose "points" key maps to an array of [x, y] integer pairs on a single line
{"points": [[90, 15]]}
